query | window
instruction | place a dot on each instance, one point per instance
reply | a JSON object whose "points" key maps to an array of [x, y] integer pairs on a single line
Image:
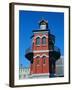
{"points": [[38, 59], [44, 40], [38, 41], [44, 59]]}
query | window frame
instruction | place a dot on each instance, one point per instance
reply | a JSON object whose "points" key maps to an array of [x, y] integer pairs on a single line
{"points": [[37, 43], [37, 60], [44, 60], [43, 42]]}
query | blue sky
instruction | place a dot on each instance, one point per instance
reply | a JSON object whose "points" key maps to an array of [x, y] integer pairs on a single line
{"points": [[28, 21]]}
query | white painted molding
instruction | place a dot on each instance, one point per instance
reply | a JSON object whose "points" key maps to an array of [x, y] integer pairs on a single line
{"points": [[37, 36], [41, 36], [37, 51], [38, 55], [44, 55], [44, 36]]}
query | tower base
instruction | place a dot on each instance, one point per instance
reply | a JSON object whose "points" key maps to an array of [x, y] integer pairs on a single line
{"points": [[41, 75]]}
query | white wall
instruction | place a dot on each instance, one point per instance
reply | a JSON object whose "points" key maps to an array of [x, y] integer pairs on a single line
{"points": [[4, 44]]}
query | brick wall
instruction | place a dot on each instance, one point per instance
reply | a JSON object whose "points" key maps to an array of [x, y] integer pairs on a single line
{"points": [[41, 67]]}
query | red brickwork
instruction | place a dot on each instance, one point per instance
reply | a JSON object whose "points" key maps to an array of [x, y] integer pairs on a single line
{"points": [[39, 66]]}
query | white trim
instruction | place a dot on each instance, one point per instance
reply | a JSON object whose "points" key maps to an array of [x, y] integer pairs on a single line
{"points": [[40, 36], [37, 36], [44, 36], [38, 45], [40, 55], [44, 55], [38, 51]]}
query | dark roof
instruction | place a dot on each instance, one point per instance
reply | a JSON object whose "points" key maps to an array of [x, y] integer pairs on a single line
{"points": [[43, 22], [39, 30]]}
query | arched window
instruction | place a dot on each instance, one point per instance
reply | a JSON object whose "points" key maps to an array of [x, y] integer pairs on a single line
{"points": [[44, 40], [38, 41], [44, 59], [38, 60]]}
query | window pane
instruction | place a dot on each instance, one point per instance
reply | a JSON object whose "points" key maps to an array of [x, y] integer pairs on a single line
{"points": [[44, 40], [38, 60], [44, 59], [38, 41]]}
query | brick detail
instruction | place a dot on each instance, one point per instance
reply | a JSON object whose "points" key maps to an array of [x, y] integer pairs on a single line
{"points": [[41, 67]]}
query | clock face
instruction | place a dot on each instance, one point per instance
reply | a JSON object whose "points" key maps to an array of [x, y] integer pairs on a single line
{"points": [[43, 27]]}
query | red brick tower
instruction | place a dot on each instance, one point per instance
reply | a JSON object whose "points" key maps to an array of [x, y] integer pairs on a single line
{"points": [[43, 54], [40, 49]]}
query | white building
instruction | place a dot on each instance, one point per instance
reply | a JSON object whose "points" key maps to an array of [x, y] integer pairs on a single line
{"points": [[60, 67], [24, 72]]}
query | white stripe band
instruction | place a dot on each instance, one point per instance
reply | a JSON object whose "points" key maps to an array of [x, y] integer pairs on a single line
{"points": [[38, 51]]}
